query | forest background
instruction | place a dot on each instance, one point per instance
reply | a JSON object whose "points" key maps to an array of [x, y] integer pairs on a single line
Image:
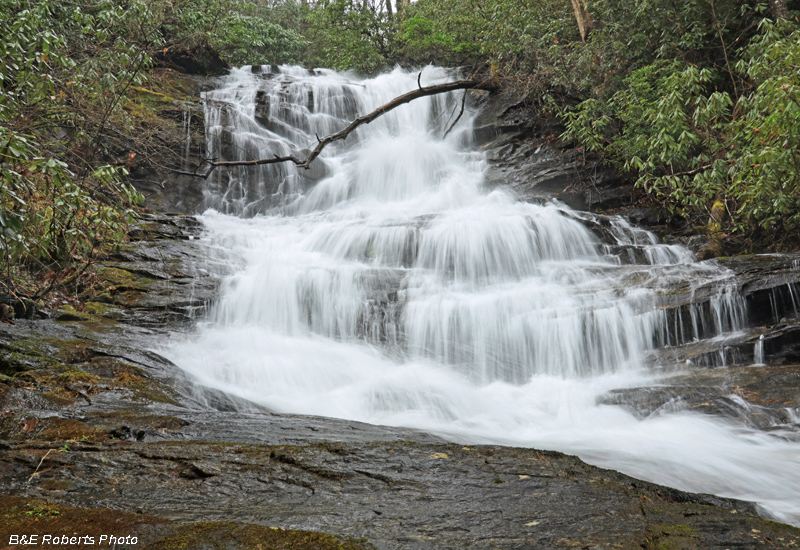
{"points": [[697, 101]]}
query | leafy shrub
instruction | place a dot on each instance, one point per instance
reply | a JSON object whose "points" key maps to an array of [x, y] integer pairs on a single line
{"points": [[235, 29], [349, 34], [63, 72], [692, 144]]}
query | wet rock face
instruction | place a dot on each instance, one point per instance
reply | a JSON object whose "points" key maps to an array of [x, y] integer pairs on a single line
{"points": [[394, 495], [525, 152], [172, 138], [161, 276], [761, 397]]}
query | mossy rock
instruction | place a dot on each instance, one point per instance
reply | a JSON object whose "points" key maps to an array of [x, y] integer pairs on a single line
{"points": [[69, 429], [26, 355], [28, 517], [123, 280], [69, 313], [102, 309], [229, 535]]}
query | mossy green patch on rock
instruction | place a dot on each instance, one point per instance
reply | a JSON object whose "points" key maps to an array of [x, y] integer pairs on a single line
{"points": [[683, 525], [26, 355], [144, 388], [103, 310], [57, 484], [228, 535], [68, 429], [57, 399], [122, 279], [69, 313], [62, 370], [28, 517], [672, 537], [138, 420], [72, 351]]}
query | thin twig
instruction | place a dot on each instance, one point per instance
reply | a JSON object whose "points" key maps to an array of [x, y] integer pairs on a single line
{"points": [[463, 104], [39, 466]]}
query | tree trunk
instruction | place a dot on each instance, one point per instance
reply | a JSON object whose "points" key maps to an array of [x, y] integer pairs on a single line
{"points": [[389, 8], [585, 23], [778, 9]]}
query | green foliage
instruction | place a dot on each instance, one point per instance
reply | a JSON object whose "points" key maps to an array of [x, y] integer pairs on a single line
{"points": [[446, 33], [765, 158], [350, 34], [692, 143], [66, 75], [519, 38], [235, 29], [65, 70]]}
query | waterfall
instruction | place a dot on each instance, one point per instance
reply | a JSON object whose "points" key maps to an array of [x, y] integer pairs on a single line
{"points": [[387, 285], [758, 352]]}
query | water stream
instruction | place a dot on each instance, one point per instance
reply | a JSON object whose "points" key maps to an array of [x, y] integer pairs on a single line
{"points": [[387, 285]]}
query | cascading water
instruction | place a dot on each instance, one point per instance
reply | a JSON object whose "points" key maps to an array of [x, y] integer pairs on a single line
{"points": [[388, 286]]}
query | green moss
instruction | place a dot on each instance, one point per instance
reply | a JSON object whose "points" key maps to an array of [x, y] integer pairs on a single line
{"points": [[144, 388], [678, 530], [104, 297], [70, 351], [62, 371], [68, 429], [69, 313], [672, 537], [26, 355], [121, 279], [23, 516], [212, 535], [103, 309], [152, 421], [58, 399], [41, 510], [68, 382]]}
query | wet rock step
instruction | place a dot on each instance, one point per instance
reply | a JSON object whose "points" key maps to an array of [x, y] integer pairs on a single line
{"points": [[779, 344], [762, 397]]}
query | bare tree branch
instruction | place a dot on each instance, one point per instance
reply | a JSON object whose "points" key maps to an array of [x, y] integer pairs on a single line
{"points": [[365, 119], [460, 114]]}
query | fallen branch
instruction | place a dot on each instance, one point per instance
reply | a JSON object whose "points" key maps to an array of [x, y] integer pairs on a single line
{"points": [[342, 134]]}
